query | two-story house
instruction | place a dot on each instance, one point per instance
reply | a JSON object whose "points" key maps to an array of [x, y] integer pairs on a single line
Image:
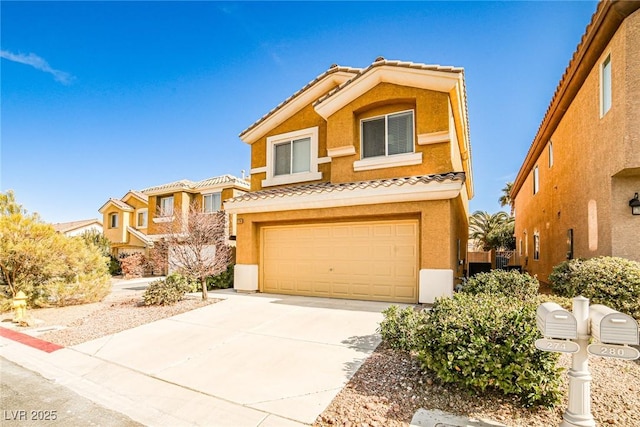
{"points": [[166, 201], [573, 192], [125, 223], [360, 184], [134, 222]]}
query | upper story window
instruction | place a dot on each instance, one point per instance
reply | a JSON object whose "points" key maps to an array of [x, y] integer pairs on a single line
{"points": [[605, 86], [292, 157], [550, 153], [165, 206], [113, 220], [141, 221], [387, 135], [536, 180], [211, 202]]}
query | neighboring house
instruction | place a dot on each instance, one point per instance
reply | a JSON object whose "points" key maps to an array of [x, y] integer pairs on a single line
{"points": [[360, 184], [134, 222], [125, 223], [75, 228], [573, 190]]}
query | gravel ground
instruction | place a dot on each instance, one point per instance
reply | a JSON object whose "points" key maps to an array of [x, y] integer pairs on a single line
{"points": [[389, 387]]}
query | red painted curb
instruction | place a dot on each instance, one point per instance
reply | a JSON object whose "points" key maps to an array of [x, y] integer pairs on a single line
{"points": [[25, 339]]}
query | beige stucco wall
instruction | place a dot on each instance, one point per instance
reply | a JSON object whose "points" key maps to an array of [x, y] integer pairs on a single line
{"points": [[441, 224], [588, 152], [343, 129]]}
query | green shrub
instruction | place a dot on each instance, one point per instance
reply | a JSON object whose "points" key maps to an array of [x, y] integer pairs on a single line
{"points": [[563, 278], [223, 280], [166, 291], [400, 328], [611, 281], [114, 266], [487, 341], [500, 282]]}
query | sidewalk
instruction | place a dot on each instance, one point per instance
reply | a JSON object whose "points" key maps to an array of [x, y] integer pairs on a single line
{"points": [[251, 360]]}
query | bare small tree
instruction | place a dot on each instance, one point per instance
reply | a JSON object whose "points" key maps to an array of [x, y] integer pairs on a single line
{"points": [[197, 244]]}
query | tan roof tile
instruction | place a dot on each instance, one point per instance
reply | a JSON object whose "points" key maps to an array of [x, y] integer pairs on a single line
{"points": [[328, 187]]}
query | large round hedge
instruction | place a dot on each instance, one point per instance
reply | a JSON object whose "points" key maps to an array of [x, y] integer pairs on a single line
{"points": [[611, 281]]}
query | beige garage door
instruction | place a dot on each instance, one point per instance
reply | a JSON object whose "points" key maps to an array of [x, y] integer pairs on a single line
{"points": [[361, 260]]}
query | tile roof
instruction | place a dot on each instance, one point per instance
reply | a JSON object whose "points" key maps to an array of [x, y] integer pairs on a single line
{"points": [[379, 62], [139, 195], [334, 68], [62, 227], [188, 185], [119, 203], [328, 187]]}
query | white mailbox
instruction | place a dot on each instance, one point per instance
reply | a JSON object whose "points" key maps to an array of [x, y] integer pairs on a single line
{"points": [[612, 327], [555, 322]]}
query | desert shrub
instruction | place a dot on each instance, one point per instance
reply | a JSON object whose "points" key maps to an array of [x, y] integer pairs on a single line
{"points": [[487, 341], [166, 291], [223, 280], [564, 302], [611, 281], [87, 288], [500, 282], [400, 328], [133, 265]]}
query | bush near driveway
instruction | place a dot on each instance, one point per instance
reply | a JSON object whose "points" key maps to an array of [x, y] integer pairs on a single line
{"points": [[611, 281], [167, 291], [500, 282], [487, 341]]}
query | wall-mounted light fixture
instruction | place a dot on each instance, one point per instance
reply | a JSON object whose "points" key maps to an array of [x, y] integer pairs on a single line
{"points": [[635, 205]]}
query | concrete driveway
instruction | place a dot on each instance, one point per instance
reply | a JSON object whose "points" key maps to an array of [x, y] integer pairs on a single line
{"points": [[250, 360]]}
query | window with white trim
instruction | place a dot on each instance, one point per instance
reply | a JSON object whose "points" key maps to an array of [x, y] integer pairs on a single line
{"points": [[536, 180], [387, 135], [211, 202], [113, 220], [605, 86], [536, 246], [165, 206], [141, 220], [550, 154], [292, 157]]}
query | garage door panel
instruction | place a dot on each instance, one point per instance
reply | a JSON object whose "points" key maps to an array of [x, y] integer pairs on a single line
{"points": [[367, 260]]}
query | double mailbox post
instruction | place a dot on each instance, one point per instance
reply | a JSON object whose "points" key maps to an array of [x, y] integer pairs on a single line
{"points": [[569, 332]]}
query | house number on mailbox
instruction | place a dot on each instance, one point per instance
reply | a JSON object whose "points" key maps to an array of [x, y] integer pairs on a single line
{"points": [[561, 346]]}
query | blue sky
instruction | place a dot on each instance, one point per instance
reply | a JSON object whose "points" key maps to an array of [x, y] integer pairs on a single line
{"points": [[102, 97]]}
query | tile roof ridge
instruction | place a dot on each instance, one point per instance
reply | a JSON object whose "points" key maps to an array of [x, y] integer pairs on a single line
{"points": [[334, 68]]}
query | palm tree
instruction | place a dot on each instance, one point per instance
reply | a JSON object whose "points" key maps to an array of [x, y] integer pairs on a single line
{"points": [[505, 199], [481, 223]]}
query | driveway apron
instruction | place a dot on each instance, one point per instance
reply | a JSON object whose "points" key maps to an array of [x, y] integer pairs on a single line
{"points": [[251, 360]]}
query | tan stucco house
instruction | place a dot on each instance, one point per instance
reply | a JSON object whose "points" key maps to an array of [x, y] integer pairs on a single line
{"points": [[125, 223], [360, 183], [573, 191], [135, 221]]}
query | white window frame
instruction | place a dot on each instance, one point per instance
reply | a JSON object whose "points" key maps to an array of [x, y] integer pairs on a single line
{"points": [[162, 213], [209, 195], [113, 220], [606, 85], [388, 160], [146, 218], [312, 175], [536, 180], [550, 154], [536, 246]]}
